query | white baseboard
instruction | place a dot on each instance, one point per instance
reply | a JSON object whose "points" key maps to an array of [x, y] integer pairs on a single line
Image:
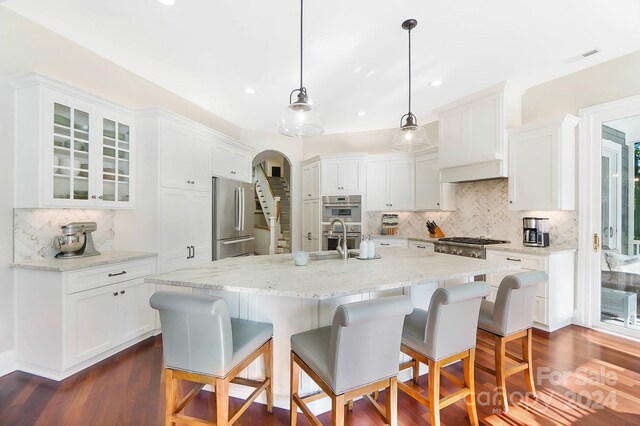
{"points": [[7, 362]]}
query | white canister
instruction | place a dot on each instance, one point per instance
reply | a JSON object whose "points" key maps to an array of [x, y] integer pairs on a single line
{"points": [[364, 249]]}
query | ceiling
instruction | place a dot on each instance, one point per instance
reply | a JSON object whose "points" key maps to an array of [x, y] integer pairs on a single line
{"points": [[355, 51]]}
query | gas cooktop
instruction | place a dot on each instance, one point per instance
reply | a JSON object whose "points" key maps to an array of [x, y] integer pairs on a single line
{"points": [[474, 241]]}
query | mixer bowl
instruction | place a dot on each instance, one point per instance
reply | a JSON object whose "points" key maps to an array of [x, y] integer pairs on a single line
{"points": [[68, 244]]}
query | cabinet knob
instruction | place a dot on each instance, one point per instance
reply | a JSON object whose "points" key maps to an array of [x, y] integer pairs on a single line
{"points": [[115, 293], [93, 197], [232, 172], [510, 202], [101, 197], [121, 291], [308, 195], [437, 204]]}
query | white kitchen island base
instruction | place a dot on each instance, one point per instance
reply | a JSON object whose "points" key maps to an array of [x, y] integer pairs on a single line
{"points": [[296, 299]]}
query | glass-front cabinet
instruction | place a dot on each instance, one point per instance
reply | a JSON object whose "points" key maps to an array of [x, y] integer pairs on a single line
{"points": [[85, 145]]}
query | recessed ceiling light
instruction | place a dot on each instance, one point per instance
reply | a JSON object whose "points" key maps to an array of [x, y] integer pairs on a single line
{"points": [[436, 83], [250, 91], [167, 2], [357, 70], [369, 74], [361, 113]]}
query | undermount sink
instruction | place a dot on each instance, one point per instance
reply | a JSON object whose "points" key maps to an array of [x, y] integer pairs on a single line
{"points": [[330, 255]]}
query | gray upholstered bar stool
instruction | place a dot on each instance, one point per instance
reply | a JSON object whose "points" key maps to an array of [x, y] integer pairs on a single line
{"points": [[444, 334], [355, 356], [202, 344], [511, 318]]}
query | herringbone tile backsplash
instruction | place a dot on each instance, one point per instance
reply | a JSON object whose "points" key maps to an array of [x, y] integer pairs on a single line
{"points": [[482, 208]]}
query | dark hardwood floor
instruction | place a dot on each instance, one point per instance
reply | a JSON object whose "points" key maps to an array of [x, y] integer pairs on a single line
{"points": [[585, 377]]}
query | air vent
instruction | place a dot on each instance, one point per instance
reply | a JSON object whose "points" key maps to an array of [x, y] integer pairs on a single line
{"points": [[580, 57]]}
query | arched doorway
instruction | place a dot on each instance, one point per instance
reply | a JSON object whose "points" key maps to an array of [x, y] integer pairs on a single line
{"points": [[272, 181]]}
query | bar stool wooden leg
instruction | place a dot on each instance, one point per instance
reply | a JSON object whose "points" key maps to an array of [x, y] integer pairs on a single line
{"points": [[222, 402], [416, 371], [434, 393], [526, 357], [469, 381], [268, 373], [350, 405], [171, 396], [295, 380], [337, 414], [392, 402], [501, 377]]}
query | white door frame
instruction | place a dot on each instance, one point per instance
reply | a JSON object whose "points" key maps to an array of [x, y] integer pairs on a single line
{"points": [[589, 173]]}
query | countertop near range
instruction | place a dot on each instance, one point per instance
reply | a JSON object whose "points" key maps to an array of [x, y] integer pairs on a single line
{"points": [[519, 248], [63, 265], [276, 275]]}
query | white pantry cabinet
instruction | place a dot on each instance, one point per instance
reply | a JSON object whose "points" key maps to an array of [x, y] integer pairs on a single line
{"points": [[231, 161], [311, 226], [542, 165], [342, 176], [185, 237], [554, 299], [311, 181], [430, 193], [472, 134], [185, 157], [67, 321], [390, 184], [72, 149]]}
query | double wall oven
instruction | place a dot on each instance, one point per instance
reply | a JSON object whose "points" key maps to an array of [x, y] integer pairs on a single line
{"points": [[349, 209]]}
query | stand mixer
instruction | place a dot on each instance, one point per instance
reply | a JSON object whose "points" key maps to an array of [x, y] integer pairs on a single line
{"points": [[76, 240]]}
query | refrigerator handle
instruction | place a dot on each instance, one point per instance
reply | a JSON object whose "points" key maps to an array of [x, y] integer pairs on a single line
{"points": [[242, 209], [237, 208]]}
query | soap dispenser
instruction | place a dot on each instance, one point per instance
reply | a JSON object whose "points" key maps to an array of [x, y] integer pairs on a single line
{"points": [[364, 248], [372, 248]]}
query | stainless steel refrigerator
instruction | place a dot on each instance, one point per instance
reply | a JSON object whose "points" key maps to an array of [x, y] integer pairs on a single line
{"points": [[233, 207]]}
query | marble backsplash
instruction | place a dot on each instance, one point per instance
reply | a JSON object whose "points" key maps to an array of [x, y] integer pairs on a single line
{"points": [[34, 229], [482, 208]]}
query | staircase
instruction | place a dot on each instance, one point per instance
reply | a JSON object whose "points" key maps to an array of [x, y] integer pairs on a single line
{"points": [[280, 188]]}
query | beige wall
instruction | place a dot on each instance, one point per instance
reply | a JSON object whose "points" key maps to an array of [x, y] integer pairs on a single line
{"points": [[615, 79], [373, 142], [26, 47]]}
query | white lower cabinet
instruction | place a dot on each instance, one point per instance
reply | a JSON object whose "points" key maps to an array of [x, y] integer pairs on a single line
{"points": [[390, 242], [67, 321], [553, 306], [421, 245], [311, 227]]}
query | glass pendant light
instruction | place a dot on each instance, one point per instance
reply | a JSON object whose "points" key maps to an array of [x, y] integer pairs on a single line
{"points": [[409, 137], [301, 119]]}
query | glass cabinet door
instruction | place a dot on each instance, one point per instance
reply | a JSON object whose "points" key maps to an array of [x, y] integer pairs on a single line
{"points": [[70, 153], [115, 161]]}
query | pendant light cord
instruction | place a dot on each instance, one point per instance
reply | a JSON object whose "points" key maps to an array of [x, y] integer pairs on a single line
{"points": [[301, 18], [409, 71]]}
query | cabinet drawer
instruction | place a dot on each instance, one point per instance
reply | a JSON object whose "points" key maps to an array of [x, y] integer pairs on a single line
{"points": [[389, 242], [422, 246], [526, 261], [109, 274]]}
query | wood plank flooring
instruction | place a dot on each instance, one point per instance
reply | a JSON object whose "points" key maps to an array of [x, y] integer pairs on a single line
{"points": [[583, 377]]}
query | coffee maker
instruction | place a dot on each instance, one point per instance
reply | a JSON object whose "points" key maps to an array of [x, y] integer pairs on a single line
{"points": [[535, 231], [76, 240]]}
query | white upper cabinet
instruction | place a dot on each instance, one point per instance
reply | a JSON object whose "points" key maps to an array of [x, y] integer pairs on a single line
{"points": [[430, 193], [231, 161], [390, 184], [542, 165], [342, 175], [185, 158], [311, 181], [472, 140], [72, 149]]}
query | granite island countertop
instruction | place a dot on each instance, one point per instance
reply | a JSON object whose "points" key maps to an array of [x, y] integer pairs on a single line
{"points": [[72, 264], [276, 275]]}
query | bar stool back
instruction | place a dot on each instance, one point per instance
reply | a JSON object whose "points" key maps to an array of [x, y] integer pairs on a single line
{"points": [[202, 344], [511, 318], [355, 356], [444, 334]]}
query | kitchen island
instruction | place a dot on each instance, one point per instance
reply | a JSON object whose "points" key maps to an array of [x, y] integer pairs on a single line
{"points": [[299, 298]]}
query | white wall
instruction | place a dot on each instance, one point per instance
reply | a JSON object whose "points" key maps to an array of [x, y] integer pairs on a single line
{"points": [[6, 220]]}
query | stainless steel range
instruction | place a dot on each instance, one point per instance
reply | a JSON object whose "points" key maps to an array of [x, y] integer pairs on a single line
{"points": [[464, 246]]}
